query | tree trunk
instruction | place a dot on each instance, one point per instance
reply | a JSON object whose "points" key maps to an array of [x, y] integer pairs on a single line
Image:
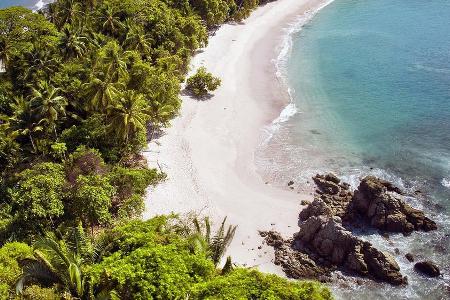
{"points": [[32, 142]]}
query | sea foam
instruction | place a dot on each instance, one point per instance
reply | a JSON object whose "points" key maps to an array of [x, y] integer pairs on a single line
{"points": [[280, 62]]}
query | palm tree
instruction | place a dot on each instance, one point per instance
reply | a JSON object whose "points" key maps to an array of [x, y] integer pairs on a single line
{"points": [[40, 62], [102, 92], [128, 115], [91, 4], [215, 245], [24, 121], [137, 40], [110, 21], [72, 43], [113, 61], [49, 105], [62, 262], [68, 12]]}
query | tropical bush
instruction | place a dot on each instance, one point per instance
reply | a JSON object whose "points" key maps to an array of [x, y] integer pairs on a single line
{"points": [[251, 284], [10, 270], [202, 82]]}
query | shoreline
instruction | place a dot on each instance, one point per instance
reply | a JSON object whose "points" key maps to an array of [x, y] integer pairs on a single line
{"points": [[208, 153]]}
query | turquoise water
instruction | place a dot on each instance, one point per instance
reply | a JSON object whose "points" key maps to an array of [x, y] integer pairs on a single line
{"points": [[372, 92]]}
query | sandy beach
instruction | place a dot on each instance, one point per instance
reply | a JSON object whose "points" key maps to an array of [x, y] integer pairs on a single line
{"points": [[208, 152]]}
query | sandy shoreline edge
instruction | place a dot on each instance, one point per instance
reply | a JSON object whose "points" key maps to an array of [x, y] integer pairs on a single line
{"points": [[208, 152]]}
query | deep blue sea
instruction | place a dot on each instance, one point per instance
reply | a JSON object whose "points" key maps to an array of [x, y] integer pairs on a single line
{"points": [[370, 81]]}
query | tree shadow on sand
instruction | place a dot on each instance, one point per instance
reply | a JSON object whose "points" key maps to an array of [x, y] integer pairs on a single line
{"points": [[190, 94]]}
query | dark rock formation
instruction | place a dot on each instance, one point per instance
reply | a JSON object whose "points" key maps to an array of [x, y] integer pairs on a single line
{"points": [[427, 268], [295, 264], [334, 194], [409, 257], [325, 236], [305, 202], [324, 242], [382, 204]]}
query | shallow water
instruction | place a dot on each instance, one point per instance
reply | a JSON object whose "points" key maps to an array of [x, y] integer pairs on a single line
{"points": [[371, 82]]}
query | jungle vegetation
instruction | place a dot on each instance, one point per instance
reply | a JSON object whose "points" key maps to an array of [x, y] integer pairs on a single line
{"points": [[86, 84]]}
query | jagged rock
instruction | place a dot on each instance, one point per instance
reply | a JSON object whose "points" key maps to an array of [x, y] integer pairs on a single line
{"points": [[333, 193], [295, 264], [327, 183], [382, 204], [333, 178], [323, 243], [316, 208], [382, 265], [427, 268], [305, 202], [409, 257], [327, 237]]}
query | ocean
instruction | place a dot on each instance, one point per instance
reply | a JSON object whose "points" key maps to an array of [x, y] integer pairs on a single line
{"points": [[370, 88]]}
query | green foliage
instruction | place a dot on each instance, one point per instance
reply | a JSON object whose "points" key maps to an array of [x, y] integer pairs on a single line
{"points": [[37, 197], [131, 186], [202, 82], [214, 12], [133, 181], [154, 260], [19, 28], [35, 292], [251, 284], [10, 255], [84, 161], [58, 151], [62, 263], [153, 272], [92, 199], [86, 83], [215, 244], [137, 260]]}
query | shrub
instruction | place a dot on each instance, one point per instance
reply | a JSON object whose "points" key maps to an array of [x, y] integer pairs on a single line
{"points": [[36, 292], [131, 185], [202, 82], [9, 266], [154, 260], [251, 284], [93, 199], [38, 195]]}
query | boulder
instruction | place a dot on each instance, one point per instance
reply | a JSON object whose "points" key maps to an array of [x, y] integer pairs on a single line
{"points": [[427, 268], [409, 257], [385, 208], [382, 265], [335, 194], [326, 237], [316, 208], [295, 264], [328, 184]]}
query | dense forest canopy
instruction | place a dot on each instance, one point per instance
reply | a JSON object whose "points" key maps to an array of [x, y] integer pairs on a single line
{"points": [[85, 85]]}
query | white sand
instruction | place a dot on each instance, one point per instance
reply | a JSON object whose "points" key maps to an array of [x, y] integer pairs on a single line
{"points": [[208, 153]]}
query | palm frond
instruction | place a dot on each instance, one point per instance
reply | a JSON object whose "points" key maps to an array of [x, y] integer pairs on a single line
{"points": [[34, 270]]}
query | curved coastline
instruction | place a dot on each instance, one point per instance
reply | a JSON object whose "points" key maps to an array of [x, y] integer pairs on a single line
{"points": [[208, 152]]}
